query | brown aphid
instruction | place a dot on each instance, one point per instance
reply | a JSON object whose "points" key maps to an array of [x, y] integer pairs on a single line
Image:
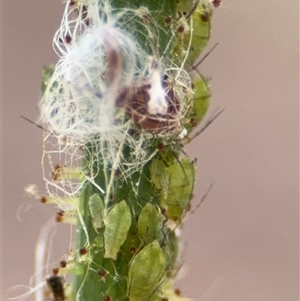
{"points": [[177, 292], [56, 285], [135, 100], [106, 298], [55, 271]]}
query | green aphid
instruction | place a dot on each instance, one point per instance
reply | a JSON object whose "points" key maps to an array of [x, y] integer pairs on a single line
{"points": [[159, 177], [201, 103], [185, 6], [117, 224], [175, 184], [193, 33], [146, 272], [96, 208], [201, 28], [150, 224], [181, 182], [46, 76]]}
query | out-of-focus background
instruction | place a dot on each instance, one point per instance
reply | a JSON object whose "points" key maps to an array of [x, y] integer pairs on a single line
{"points": [[241, 244]]}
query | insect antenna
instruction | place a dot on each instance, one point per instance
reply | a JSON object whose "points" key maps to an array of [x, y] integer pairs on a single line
{"points": [[204, 58], [203, 198], [205, 126], [34, 123]]}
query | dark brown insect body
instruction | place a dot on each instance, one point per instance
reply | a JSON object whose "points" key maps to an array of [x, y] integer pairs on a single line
{"points": [[135, 100], [56, 285]]}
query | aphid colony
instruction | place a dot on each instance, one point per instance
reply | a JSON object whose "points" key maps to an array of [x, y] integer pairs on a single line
{"points": [[120, 100], [103, 68]]}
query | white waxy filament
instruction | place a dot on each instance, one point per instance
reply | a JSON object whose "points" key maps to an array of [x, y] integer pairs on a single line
{"points": [[157, 103]]}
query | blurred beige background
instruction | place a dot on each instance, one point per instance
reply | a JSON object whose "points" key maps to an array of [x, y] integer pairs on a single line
{"points": [[242, 243]]}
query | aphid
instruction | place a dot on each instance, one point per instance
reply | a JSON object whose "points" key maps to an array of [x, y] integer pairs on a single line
{"points": [[175, 182], [46, 78], [153, 104], [201, 31], [185, 6], [96, 209], [117, 224], [201, 102], [158, 176], [150, 224], [146, 270], [138, 110], [55, 283], [193, 30]]}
